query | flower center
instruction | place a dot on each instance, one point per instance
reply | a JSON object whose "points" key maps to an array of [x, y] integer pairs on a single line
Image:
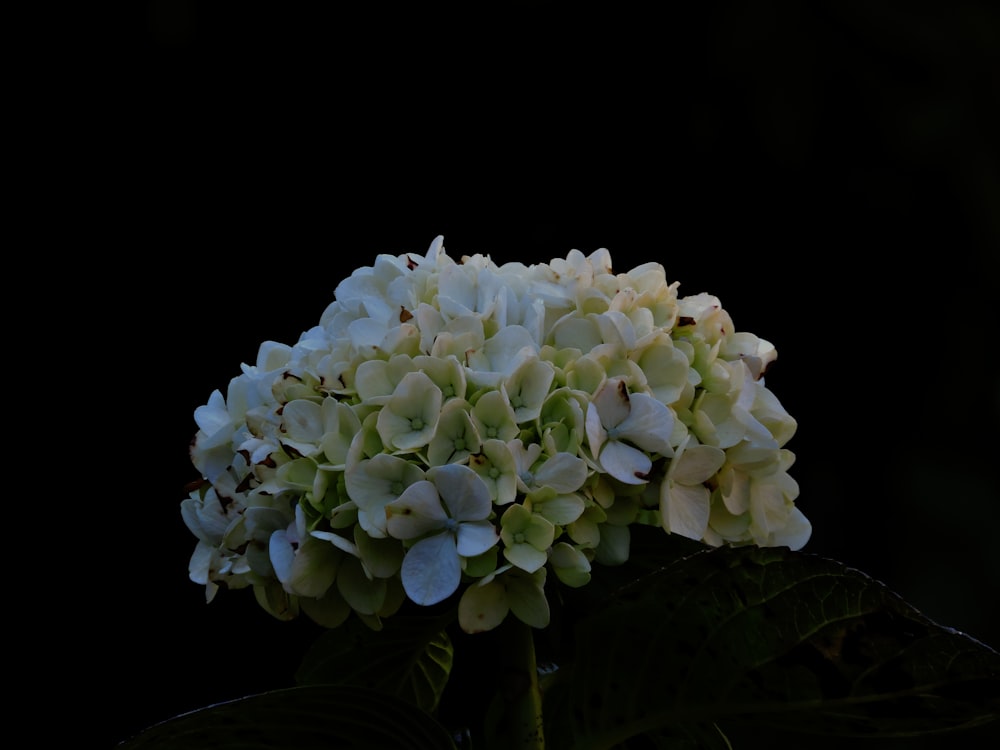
{"points": [[416, 424]]}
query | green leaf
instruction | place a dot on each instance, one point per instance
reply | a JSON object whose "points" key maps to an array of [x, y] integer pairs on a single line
{"points": [[319, 717], [410, 657], [751, 634]]}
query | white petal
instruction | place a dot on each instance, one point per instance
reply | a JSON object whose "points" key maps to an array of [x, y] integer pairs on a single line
{"points": [[562, 472], [303, 421], [625, 463], [698, 463], [476, 537], [685, 509], [462, 490], [796, 531], [282, 555], [612, 402], [649, 424], [596, 434], [415, 512], [431, 570], [337, 541], [735, 487]]}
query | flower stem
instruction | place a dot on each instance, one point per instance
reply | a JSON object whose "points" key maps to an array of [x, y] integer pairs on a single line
{"points": [[514, 720]]}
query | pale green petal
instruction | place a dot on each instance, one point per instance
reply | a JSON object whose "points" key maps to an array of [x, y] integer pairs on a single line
{"points": [[479, 566], [298, 474], [514, 521], [560, 510], [525, 556], [539, 533], [341, 424], [274, 599], [585, 532], [431, 570], [586, 375], [526, 598], [614, 546], [524, 455], [483, 607], [383, 557], [570, 565], [494, 417], [446, 372], [364, 594], [456, 437], [496, 467], [527, 388], [372, 381], [329, 611], [408, 419], [395, 597], [379, 480], [563, 419], [313, 569]]}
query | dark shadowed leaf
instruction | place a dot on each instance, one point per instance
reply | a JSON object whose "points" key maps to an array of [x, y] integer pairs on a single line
{"points": [[769, 635], [410, 657], [323, 717]]}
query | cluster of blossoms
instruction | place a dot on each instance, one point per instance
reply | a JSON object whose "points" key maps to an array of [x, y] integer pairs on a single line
{"points": [[462, 426]]}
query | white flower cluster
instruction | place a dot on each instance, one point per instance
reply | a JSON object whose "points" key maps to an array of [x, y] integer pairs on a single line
{"points": [[458, 425]]}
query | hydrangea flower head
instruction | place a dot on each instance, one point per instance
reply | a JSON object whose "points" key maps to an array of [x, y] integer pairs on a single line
{"points": [[458, 428]]}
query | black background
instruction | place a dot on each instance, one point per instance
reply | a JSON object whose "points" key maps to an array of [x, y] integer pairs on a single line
{"points": [[828, 170]]}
